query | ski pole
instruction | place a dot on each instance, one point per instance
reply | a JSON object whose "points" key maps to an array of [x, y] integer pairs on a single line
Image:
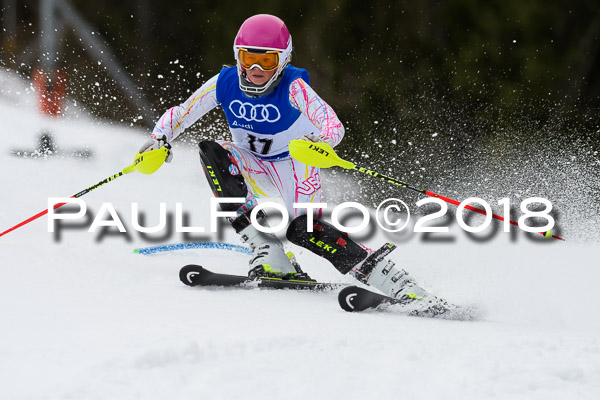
{"points": [[322, 155], [146, 163]]}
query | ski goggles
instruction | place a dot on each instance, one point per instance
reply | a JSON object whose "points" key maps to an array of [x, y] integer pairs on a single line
{"points": [[267, 61]]}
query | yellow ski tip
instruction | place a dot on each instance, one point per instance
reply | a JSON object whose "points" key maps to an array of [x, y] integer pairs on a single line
{"points": [[319, 155]]}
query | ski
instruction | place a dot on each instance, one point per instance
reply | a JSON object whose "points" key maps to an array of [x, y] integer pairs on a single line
{"points": [[356, 299], [196, 275]]}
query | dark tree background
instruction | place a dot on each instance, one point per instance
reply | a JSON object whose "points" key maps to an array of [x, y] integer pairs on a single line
{"points": [[428, 89]]}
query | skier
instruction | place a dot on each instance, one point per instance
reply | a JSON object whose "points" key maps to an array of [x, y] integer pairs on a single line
{"points": [[267, 103]]}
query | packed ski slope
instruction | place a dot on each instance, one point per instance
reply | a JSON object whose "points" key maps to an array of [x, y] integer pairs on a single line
{"points": [[86, 318]]}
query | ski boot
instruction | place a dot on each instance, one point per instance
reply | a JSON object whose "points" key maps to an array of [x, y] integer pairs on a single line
{"points": [[226, 180], [373, 268], [380, 272], [269, 259]]}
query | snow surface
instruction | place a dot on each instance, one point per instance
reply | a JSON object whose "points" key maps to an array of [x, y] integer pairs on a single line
{"points": [[86, 318]]}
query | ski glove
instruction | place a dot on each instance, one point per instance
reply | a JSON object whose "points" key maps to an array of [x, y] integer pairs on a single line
{"points": [[157, 143], [311, 137]]}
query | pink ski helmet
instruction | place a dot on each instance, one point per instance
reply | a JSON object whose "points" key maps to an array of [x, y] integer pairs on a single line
{"points": [[262, 33]]}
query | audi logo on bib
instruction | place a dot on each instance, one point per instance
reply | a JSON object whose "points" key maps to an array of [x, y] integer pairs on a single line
{"points": [[255, 112]]}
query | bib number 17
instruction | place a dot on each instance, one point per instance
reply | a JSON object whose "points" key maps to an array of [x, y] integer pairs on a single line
{"points": [[266, 144]]}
